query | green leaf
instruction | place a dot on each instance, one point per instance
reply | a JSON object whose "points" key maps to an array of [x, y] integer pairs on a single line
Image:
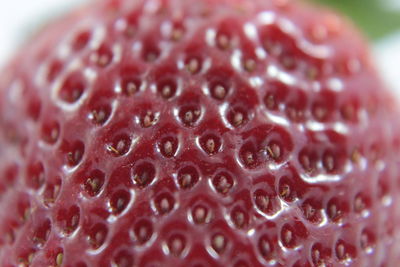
{"points": [[369, 15]]}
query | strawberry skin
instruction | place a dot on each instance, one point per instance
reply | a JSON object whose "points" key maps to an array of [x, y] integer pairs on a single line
{"points": [[198, 133]]}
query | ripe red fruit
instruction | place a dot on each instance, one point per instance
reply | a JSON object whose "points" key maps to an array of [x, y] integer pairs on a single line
{"points": [[197, 133]]}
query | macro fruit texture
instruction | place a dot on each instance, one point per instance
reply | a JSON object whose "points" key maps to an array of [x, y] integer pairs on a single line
{"points": [[198, 133]]}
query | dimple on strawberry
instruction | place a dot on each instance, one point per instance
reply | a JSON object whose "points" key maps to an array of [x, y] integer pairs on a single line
{"points": [[198, 133]]}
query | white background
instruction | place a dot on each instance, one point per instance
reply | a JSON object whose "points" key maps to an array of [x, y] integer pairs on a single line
{"points": [[20, 17]]}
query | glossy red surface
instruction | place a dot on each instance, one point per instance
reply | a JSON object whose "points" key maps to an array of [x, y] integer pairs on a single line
{"points": [[197, 133]]}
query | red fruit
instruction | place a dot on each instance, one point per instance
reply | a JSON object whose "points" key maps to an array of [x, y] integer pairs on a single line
{"points": [[197, 133]]}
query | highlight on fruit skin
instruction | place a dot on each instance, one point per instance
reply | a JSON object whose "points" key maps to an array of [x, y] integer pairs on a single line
{"points": [[198, 133]]}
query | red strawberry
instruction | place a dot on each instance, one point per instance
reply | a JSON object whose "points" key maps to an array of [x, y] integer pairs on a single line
{"points": [[197, 133]]}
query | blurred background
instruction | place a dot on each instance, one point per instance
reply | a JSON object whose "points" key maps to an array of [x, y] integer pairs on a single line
{"points": [[380, 22], [379, 19]]}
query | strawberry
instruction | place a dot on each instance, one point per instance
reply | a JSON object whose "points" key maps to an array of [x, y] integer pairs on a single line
{"points": [[198, 133]]}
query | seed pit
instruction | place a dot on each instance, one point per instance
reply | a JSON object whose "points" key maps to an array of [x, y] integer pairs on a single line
{"points": [[383, 188], [223, 41], [265, 247], [266, 203], [143, 174], [324, 106], [312, 210], [50, 132], [74, 153], [33, 108], [296, 105], [249, 156], [275, 41], [51, 192], [189, 115], [249, 65], [151, 56], [149, 119], [237, 116], [168, 146], [23, 208], [262, 201], [102, 57], [176, 244], [120, 145], [218, 243], [193, 65], [276, 95], [219, 91], [35, 176], [350, 111], [344, 251], [336, 210], [97, 235], [320, 112], [94, 183], [239, 218], [119, 201], [294, 114], [59, 258], [288, 237], [26, 256], [131, 24], [361, 203], [308, 160], [130, 85], [177, 33], [41, 233], [329, 162], [200, 214], [150, 52], [188, 177], [9, 236], [100, 114], [210, 143], [164, 203], [367, 240], [167, 89], [72, 88], [143, 231], [286, 191], [288, 61], [270, 101], [223, 182], [274, 151], [69, 219], [317, 255], [123, 258], [54, 70], [81, 40]]}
